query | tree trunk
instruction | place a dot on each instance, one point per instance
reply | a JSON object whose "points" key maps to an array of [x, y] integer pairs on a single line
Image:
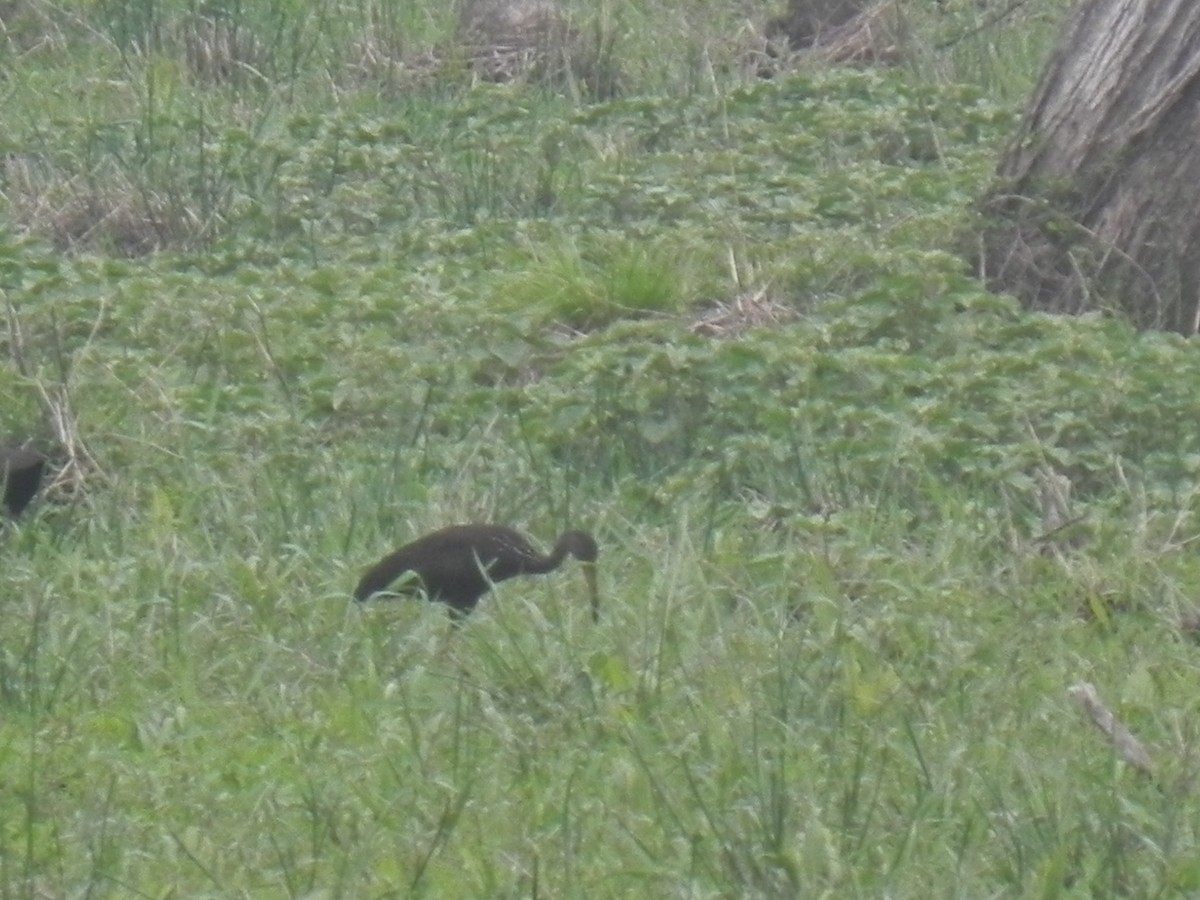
{"points": [[1098, 201]]}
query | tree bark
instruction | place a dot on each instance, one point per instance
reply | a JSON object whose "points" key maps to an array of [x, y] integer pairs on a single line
{"points": [[1097, 205]]}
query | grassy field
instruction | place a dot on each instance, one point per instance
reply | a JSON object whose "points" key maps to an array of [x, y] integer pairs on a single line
{"points": [[308, 289]]}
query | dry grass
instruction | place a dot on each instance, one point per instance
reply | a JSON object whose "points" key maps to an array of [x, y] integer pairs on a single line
{"points": [[755, 308], [60, 421], [534, 41], [29, 29], [837, 33], [219, 51], [103, 211]]}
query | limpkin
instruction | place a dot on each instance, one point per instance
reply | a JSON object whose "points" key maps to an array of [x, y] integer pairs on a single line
{"points": [[459, 564], [20, 476]]}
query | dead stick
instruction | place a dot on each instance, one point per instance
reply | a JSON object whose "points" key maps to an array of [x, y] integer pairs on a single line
{"points": [[1127, 746]]}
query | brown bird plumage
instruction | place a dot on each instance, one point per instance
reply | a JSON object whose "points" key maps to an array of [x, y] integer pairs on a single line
{"points": [[459, 564], [20, 476]]}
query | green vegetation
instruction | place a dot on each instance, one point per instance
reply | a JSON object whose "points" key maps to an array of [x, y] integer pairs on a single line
{"points": [[308, 300]]}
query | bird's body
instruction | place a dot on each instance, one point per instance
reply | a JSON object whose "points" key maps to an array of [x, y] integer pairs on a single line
{"points": [[459, 564], [20, 476]]}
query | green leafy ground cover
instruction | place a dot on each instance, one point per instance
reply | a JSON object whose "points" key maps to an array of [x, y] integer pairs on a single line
{"points": [[723, 323]]}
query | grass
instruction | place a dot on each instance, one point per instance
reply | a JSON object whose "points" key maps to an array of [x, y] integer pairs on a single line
{"points": [[311, 309], [239, 727]]}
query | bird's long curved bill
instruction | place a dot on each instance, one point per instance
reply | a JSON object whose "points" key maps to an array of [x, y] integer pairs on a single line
{"points": [[589, 574]]}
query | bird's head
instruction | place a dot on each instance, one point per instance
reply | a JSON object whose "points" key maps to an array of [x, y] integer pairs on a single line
{"points": [[580, 545], [583, 547]]}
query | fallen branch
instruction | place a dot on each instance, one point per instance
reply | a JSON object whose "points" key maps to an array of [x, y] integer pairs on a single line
{"points": [[1127, 746]]}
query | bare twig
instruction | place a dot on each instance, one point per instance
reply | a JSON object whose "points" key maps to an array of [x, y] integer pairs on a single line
{"points": [[1128, 747], [1054, 499], [16, 339], [263, 339]]}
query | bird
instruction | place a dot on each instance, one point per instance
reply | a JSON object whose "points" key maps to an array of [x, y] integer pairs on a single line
{"points": [[459, 564], [20, 476]]}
